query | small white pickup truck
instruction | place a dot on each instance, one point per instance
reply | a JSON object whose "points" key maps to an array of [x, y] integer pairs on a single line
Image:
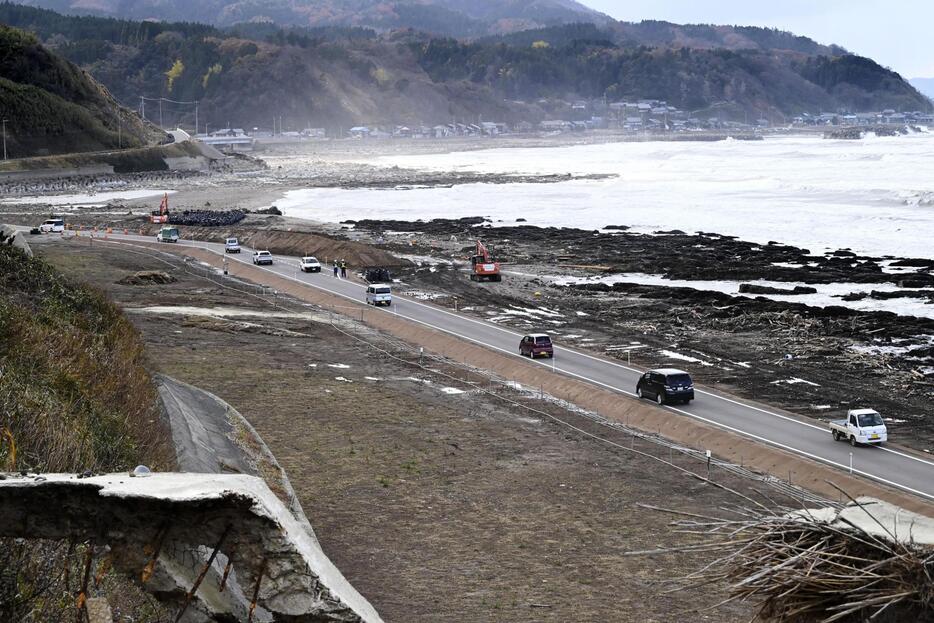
{"points": [[860, 426]]}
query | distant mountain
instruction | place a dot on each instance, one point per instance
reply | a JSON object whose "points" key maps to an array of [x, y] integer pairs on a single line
{"points": [[337, 77], [657, 34], [708, 36], [924, 85], [461, 18], [53, 107]]}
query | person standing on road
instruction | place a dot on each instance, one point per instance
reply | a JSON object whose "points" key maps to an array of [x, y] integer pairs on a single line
{"points": [[336, 268], [343, 269]]}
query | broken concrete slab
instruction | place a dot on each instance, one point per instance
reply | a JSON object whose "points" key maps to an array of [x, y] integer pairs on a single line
{"points": [[179, 519]]}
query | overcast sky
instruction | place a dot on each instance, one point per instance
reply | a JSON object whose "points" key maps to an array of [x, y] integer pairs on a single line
{"points": [[897, 33]]}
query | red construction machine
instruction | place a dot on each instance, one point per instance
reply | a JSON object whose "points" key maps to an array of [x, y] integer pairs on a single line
{"points": [[162, 214], [484, 267]]}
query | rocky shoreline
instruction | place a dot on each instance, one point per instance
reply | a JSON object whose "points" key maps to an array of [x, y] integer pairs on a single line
{"points": [[816, 360]]}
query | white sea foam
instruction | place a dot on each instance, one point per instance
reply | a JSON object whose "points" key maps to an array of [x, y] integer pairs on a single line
{"points": [[92, 200], [870, 195], [827, 293]]}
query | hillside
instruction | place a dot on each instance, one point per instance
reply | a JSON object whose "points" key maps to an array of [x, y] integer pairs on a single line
{"points": [[53, 107], [341, 77], [74, 395], [448, 17]]}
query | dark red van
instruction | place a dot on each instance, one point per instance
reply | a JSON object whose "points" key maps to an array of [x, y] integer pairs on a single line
{"points": [[536, 345]]}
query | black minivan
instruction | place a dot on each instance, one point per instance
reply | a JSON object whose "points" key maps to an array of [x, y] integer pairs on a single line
{"points": [[666, 385]]}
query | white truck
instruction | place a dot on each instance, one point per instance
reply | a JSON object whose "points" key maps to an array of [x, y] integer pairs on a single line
{"points": [[168, 234], [860, 426]]}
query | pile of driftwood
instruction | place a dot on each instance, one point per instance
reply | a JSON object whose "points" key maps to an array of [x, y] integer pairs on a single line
{"points": [[865, 561]]}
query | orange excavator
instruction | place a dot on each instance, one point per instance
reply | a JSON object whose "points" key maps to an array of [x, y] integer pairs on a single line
{"points": [[484, 267], [162, 214]]}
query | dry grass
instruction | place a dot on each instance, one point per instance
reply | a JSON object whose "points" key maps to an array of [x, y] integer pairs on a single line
{"points": [[802, 567], [74, 395]]}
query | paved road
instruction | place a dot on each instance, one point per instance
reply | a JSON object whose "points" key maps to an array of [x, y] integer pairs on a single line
{"points": [[886, 465]]}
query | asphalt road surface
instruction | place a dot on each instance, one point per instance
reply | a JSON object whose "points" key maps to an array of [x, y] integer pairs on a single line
{"points": [[886, 465]]}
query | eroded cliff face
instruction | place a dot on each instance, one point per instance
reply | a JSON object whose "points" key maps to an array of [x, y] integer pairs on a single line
{"points": [[224, 543]]}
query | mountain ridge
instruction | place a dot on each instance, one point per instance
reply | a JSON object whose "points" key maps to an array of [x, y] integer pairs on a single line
{"points": [[446, 17], [338, 77]]}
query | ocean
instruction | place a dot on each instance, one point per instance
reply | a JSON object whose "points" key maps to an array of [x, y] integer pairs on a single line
{"points": [[874, 196]]}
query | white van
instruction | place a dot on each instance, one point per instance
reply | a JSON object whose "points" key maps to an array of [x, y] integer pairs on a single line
{"points": [[168, 234], [378, 294], [53, 226]]}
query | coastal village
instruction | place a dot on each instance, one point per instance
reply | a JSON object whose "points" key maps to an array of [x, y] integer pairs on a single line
{"points": [[643, 117]]}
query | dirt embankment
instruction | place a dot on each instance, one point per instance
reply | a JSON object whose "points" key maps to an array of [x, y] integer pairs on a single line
{"points": [[437, 501], [279, 235], [272, 236]]}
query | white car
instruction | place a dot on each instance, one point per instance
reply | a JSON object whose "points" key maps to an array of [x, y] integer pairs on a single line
{"points": [[262, 257], [53, 226], [310, 265], [379, 294], [231, 245]]}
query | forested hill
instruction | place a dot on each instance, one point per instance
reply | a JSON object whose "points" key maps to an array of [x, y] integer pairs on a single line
{"points": [[459, 18], [52, 106], [342, 76]]}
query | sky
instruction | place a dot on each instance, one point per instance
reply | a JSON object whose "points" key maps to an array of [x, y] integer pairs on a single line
{"points": [[897, 33]]}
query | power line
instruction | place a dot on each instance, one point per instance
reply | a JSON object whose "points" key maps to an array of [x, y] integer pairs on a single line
{"points": [[166, 99], [142, 107]]}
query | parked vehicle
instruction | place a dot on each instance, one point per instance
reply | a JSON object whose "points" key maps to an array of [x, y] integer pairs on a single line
{"points": [[168, 234], [262, 257], [310, 265], [536, 345], [666, 385], [483, 266], [860, 426], [379, 294], [377, 274], [231, 245], [53, 226]]}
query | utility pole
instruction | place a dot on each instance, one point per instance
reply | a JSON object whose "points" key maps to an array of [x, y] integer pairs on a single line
{"points": [[161, 127], [4, 139], [119, 129], [196, 118]]}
